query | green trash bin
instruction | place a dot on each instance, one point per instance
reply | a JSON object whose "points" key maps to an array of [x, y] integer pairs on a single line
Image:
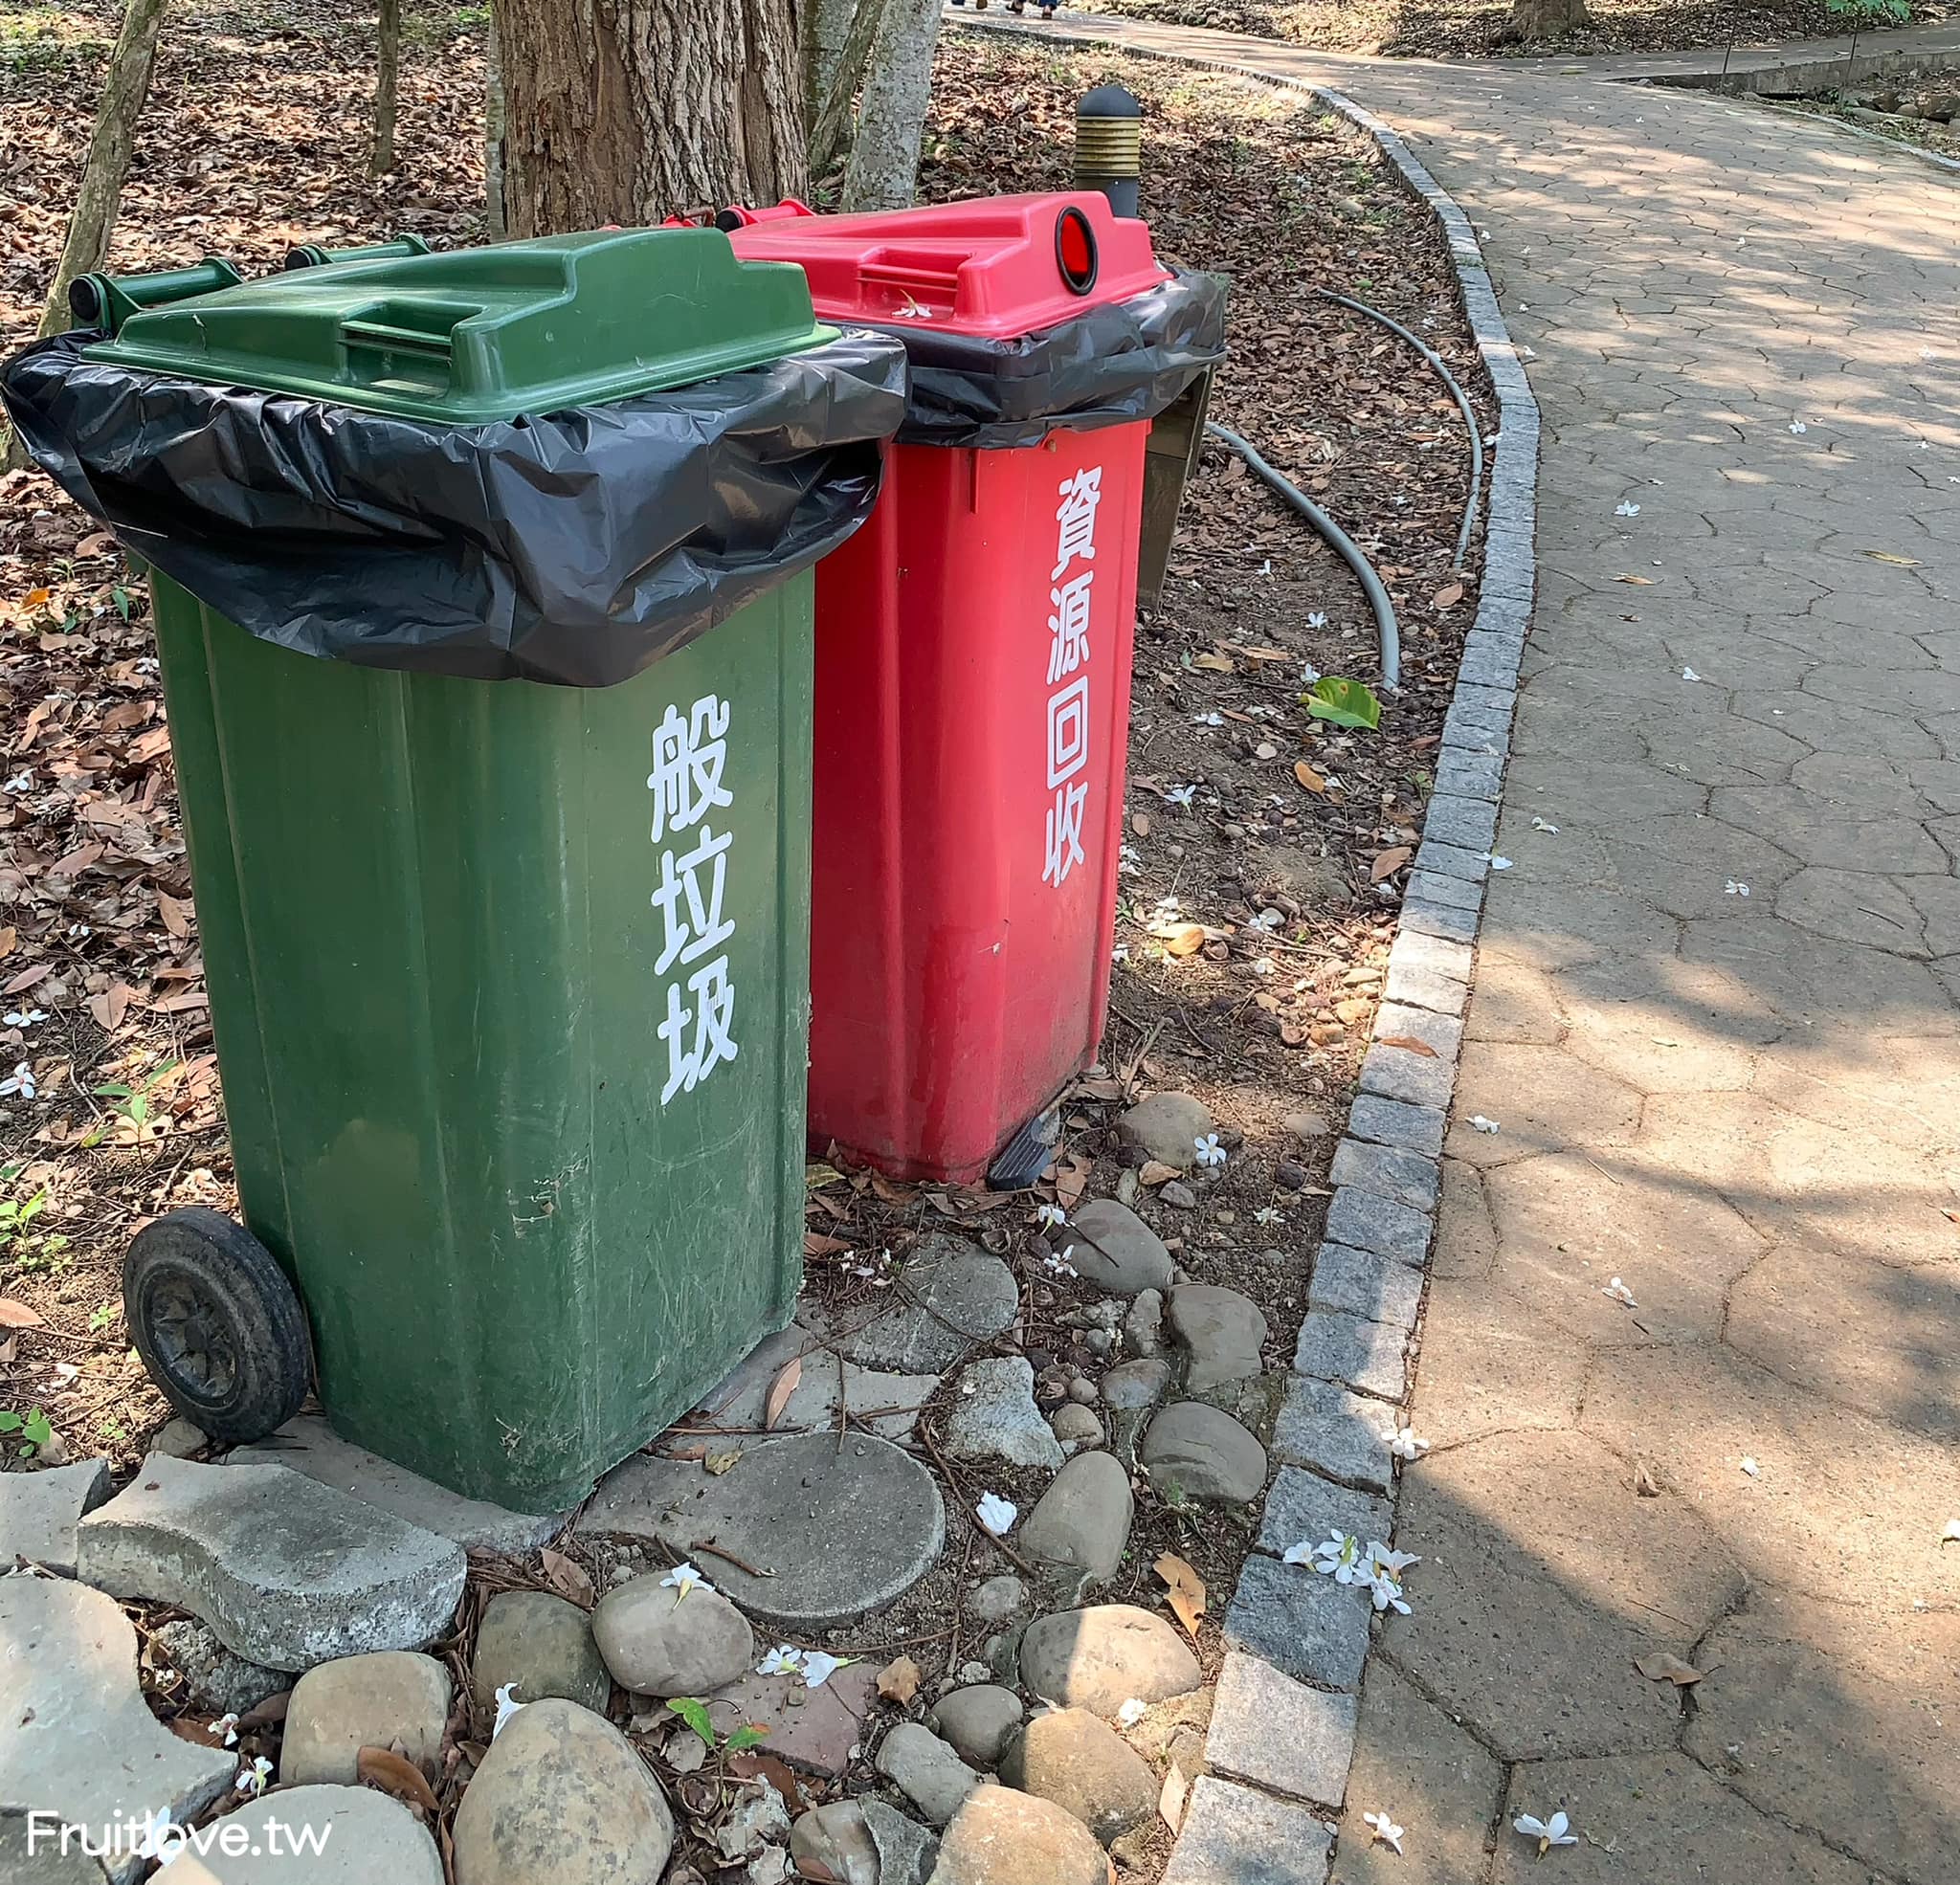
{"points": [[509, 979]]}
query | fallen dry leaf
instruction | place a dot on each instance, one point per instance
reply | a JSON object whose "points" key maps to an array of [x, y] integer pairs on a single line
{"points": [[1409, 1042], [1644, 581], [1388, 862], [395, 1773], [17, 1314], [1140, 824], [787, 1380], [1646, 1485], [1215, 663], [27, 977], [722, 1462], [1448, 596], [1186, 939], [1662, 1667], [1886, 556], [1308, 777], [899, 1681], [568, 1577], [1185, 1591], [1170, 1798]]}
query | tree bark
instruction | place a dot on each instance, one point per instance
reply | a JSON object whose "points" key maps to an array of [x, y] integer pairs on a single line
{"points": [[1547, 19], [883, 169], [826, 31], [624, 111], [124, 89], [388, 70], [837, 112], [494, 227]]}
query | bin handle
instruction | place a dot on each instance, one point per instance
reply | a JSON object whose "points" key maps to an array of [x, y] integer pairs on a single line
{"points": [[107, 300]]}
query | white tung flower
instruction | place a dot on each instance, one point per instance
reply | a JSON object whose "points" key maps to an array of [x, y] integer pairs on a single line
{"points": [[1619, 1293], [1688, 673], [1210, 1153], [507, 1705], [1268, 1214], [1180, 796], [23, 1017], [1548, 1833], [1626, 508], [1048, 1216], [1208, 720], [819, 1666], [252, 1779], [1496, 862], [1127, 863], [1404, 1441], [1798, 427], [1318, 619], [785, 1659], [1337, 1556], [1749, 1466], [1385, 1829], [996, 1514], [1951, 1534], [1058, 1266], [21, 1081], [1733, 889], [1541, 825], [1384, 1576], [1479, 1124], [226, 1726], [1132, 1712], [682, 1579]]}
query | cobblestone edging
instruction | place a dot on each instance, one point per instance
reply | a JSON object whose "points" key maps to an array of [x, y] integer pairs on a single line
{"points": [[1282, 1736]]}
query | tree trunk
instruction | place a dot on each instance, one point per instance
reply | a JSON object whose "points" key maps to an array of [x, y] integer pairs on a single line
{"points": [[826, 31], [493, 141], [835, 113], [387, 68], [624, 111], [123, 91], [1547, 19], [883, 170]]}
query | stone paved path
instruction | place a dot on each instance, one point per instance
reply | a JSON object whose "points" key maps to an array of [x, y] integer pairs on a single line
{"points": [[1717, 1014]]}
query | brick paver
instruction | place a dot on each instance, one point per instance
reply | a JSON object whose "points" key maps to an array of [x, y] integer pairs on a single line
{"points": [[1716, 1013]]}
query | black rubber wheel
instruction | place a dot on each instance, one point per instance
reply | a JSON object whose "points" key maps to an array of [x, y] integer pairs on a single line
{"points": [[218, 1323]]}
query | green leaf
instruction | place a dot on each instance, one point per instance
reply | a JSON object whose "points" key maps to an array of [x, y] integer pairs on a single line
{"points": [[746, 1736], [10, 1421], [695, 1713], [38, 1430], [1343, 702]]}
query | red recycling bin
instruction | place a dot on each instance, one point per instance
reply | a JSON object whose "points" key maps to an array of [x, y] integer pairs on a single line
{"points": [[972, 680]]}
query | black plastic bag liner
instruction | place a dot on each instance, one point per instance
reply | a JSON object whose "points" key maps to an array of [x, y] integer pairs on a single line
{"points": [[1112, 364], [577, 547]]}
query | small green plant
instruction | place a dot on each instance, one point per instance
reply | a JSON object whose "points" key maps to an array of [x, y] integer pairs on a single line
{"points": [[1870, 13], [102, 1315], [692, 1709], [34, 1429], [132, 1103], [1343, 702], [17, 1213]]}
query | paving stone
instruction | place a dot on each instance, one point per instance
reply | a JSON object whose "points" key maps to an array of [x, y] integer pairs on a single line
{"points": [[1420, 916], [1081, 1522], [1220, 1331], [994, 1416], [1304, 1508], [1434, 887], [1453, 860], [306, 1443], [1450, 959], [1442, 1034], [1618, 1576], [1514, 1000], [1800, 1713], [1410, 1178], [1424, 987], [1086, 1767], [286, 1571], [1412, 1760], [40, 1510], [1166, 1128], [542, 1646], [1101, 1658], [1370, 1355], [1334, 1432], [885, 1402], [1397, 1122], [1465, 1241], [953, 1296], [1835, 1491], [1114, 1249], [1002, 1836], [362, 1838], [1301, 1622], [1487, 1366], [1368, 1220], [1201, 1452], [1365, 1283], [1544, 1101], [1234, 1836], [380, 1701], [1470, 823], [847, 1530], [1659, 1818], [1277, 1733], [817, 1731], [81, 1742], [560, 1799]]}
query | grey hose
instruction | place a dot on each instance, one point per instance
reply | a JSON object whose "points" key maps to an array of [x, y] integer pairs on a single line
{"points": [[1435, 360], [1372, 584]]}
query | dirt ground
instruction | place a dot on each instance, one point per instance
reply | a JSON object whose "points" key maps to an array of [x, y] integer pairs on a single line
{"points": [[1264, 846], [1483, 29]]}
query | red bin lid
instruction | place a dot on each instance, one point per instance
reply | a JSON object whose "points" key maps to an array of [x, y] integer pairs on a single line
{"points": [[996, 266]]}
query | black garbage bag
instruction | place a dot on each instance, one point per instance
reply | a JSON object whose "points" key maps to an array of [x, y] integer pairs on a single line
{"points": [[1110, 365], [576, 546]]}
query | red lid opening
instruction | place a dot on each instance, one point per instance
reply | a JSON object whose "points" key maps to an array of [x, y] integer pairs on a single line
{"points": [[1075, 251]]}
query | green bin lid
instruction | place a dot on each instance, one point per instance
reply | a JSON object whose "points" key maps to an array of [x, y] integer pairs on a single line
{"points": [[484, 334]]}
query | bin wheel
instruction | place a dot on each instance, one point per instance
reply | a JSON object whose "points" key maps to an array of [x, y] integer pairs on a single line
{"points": [[218, 1323]]}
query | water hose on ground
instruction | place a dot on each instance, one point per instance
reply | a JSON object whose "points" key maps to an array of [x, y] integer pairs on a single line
{"points": [[1339, 540], [1435, 360]]}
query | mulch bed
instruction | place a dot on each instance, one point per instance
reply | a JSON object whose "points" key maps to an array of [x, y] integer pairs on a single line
{"points": [[1483, 29], [1264, 846]]}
